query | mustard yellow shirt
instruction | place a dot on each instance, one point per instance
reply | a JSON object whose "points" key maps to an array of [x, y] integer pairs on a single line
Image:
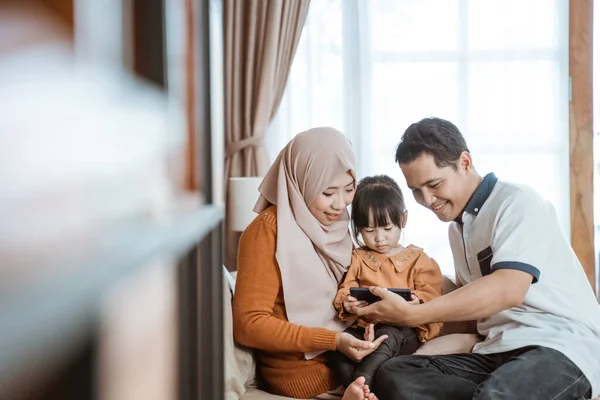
{"points": [[411, 269]]}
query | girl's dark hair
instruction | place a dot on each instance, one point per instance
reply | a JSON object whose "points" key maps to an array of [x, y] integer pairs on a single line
{"points": [[381, 196], [435, 136]]}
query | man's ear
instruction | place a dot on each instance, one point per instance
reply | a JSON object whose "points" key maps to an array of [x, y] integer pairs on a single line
{"points": [[465, 162]]}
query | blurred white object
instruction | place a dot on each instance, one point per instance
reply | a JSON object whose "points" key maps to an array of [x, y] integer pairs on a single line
{"points": [[83, 148], [243, 193]]}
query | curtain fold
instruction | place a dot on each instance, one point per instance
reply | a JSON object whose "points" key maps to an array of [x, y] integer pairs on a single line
{"points": [[260, 40]]}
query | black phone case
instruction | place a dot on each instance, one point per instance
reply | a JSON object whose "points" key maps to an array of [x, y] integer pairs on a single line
{"points": [[366, 295]]}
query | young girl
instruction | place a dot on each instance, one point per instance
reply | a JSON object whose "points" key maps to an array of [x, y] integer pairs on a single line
{"points": [[378, 217]]}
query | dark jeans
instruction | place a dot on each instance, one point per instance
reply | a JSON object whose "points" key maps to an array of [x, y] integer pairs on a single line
{"points": [[531, 373], [400, 341]]}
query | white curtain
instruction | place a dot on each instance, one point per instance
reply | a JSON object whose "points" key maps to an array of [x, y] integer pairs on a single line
{"points": [[498, 69]]}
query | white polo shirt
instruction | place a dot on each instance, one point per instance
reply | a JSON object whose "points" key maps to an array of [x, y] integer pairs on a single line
{"points": [[507, 226]]}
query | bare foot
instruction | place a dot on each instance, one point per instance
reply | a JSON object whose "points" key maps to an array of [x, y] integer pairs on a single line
{"points": [[355, 391], [368, 394]]}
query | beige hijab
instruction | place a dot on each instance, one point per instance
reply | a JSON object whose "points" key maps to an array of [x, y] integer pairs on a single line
{"points": [[312, 257]]}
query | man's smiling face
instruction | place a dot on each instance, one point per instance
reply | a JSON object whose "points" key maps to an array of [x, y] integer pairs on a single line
{"points": [[445, 191]]}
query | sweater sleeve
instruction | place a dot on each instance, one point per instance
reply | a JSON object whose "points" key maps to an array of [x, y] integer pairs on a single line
{"points": [[258, 289], [351, 280], [428, 286]]}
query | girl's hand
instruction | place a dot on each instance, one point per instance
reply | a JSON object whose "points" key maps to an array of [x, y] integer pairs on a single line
{"points": [[370, 333], [356, 349], [351, 304], [414, 299]]}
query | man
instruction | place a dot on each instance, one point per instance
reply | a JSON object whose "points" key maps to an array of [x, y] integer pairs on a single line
{"points": [[517, 276]]}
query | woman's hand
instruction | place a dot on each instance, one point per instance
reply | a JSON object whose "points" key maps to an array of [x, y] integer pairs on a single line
{"points": [[356, 349], [351, 304]]}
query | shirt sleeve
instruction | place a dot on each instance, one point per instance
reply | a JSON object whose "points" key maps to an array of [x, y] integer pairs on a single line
{"points": [[258, 287], [523, 233], [428, 286], [351, 280]]}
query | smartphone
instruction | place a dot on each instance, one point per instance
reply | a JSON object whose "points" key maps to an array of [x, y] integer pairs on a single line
{"points": [[366, 295]]}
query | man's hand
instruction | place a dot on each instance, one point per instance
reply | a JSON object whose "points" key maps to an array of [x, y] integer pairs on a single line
{"points": [[356, 349], [391, 309], [351, 304], [482, 298]]}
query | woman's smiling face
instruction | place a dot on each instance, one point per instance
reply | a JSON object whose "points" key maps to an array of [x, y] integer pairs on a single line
{"points": [[329, 204]]}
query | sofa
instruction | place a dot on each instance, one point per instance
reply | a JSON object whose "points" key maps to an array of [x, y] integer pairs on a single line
{"points": [[240, 364]]}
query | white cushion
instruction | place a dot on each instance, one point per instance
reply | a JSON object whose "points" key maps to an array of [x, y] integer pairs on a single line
{"points": [[253, 393], [240, 366]]}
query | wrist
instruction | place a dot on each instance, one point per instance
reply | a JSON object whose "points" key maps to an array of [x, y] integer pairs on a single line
{"points": [[414, 315]]}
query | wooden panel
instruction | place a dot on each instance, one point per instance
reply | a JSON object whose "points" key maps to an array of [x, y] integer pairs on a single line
{"points": [[149, 41], [202, 106], [581, 133], [190, 83], [64, 9]]}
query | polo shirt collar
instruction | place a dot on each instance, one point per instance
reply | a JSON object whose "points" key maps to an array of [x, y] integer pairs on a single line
{"points": [[481, 194]]}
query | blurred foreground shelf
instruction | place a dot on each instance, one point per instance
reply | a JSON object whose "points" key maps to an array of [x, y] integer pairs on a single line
{"points": [[45, 324]]}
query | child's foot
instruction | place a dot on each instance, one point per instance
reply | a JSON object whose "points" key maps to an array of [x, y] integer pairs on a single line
{"points": [[355, 390], [367, 393]]}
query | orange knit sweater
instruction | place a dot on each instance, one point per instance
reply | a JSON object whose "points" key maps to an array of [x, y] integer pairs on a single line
{"points": [[260, 321]]}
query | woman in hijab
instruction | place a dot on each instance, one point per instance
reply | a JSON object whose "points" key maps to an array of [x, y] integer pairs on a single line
{"points": [[291, 260]]}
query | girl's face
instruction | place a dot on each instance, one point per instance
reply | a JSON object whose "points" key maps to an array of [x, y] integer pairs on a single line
{"points": [[382, 238], [329, 205]]}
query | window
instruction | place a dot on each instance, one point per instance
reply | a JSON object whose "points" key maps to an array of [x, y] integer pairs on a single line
{"points": [[498, 69]]}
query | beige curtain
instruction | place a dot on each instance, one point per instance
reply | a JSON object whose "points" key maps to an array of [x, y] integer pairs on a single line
{"points": [[260, 40], [261, 37]]}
